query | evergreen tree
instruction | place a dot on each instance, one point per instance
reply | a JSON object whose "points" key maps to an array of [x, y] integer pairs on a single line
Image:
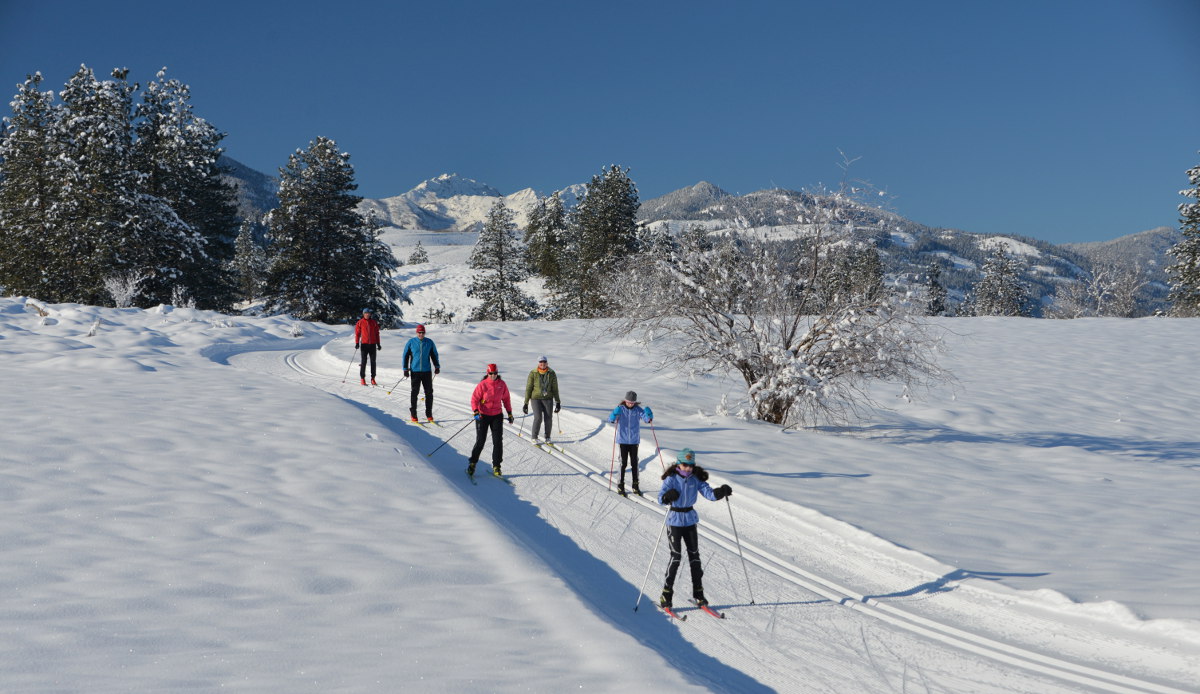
{"points": [[543, 236], [419, 255], [1185, 271], [502, 263], [326, 261], [115, 229], [177, 152], [249, 264], [936, 305], [1001, 291], [29, 192], [604, 230]]}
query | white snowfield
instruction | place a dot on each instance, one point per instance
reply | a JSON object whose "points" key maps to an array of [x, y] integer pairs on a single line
{"points": [[198, 502]]}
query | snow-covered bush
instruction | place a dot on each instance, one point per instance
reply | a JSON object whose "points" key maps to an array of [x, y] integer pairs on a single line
{"points": [[763, 309]]}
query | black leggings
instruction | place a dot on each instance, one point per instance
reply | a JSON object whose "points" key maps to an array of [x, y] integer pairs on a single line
{"points": [[688, 535], [367, 351], [629, 458]]}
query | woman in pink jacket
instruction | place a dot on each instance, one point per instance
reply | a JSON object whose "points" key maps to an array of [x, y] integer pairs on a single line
{"points": [[489, 395]]}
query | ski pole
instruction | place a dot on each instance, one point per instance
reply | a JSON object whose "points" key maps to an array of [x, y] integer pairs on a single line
{"points": [[612, 465], [654, 554], [739, 545], [347, 374], [396, 386], [521, 429], [430, 453], [657, 447]]}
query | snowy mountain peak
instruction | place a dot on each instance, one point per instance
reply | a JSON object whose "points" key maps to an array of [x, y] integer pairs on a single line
{"points": [[452, 185]]}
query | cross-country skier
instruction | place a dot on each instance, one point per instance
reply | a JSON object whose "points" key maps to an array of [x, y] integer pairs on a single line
{"points": [[486, 401], [628, 417], [366, 338], [541, 386], [684, 483], [419, 354]]}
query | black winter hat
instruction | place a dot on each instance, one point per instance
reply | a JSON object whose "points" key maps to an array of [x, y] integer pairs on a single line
{"points": [[631, 396]]}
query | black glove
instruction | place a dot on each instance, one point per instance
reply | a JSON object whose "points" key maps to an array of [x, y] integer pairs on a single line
{"points": [[406, 374], [510, 418], [722, 491], [557, 406], [355, 345], [378, 348], [670, 495], [525, 408], [437, 370]]}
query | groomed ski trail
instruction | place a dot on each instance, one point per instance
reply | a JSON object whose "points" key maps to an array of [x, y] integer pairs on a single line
{"points": [[806, 631]]}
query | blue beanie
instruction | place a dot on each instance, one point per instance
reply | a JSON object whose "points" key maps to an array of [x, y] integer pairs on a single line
{"points": [[686, 457]]}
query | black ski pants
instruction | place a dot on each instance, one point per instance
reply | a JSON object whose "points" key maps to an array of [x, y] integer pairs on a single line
{"points": [[629, 458], [368, 351], [688, 535], [494, 422], [419, 379]]}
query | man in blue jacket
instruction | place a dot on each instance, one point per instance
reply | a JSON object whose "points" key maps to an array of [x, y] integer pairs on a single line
{"points": [[683, 484], [419, 354]]}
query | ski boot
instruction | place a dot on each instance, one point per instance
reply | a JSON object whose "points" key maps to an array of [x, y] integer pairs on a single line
{"points": [[664, 601], [429, 419], [496, 471], [362, 381], [471, 469], [698, 597], [373, 382], [621, 489]]}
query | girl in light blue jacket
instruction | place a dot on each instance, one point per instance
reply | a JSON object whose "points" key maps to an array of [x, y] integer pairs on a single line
{"points": [[628, 418], [683, 484]]}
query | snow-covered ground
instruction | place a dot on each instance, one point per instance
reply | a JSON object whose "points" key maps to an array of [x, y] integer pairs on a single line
{"points": [[196, 502]]}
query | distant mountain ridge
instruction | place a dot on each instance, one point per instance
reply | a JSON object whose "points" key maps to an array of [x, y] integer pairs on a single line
{"points": [[450, 202]]}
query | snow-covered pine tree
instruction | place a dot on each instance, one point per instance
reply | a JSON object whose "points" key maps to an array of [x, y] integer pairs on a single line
{"points": [[935, 304], [176, 152], [29, 192], [326, 260], [501, 263], [249, 265], [601, 232], [114, 229], [1001, 291], [1185, 271], [543, 236], [419, 255]]}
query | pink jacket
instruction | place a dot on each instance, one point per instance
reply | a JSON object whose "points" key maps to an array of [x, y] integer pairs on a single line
{"points": [[489, 394]]}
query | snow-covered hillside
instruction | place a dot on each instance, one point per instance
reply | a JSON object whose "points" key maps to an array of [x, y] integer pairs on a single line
{"points": [[194, 502]]}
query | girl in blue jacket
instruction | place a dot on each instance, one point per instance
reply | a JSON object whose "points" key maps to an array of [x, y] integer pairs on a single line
{"points": [[684, 483], [628, 416]]}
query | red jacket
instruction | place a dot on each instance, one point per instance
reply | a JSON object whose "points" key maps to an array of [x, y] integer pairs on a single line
{"points": [[366, 331], [489, 394]]}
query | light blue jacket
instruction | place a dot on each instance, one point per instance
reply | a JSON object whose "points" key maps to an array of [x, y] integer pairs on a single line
{"points": [[421, 352], [629, 422], [691, 488]]}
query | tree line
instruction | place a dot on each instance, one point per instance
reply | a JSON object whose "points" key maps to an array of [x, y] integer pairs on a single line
{"points": [[112, 194]]}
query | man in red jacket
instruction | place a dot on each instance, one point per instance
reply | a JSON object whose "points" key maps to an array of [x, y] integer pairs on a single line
{"points": [[366, 336], [489, 395]]}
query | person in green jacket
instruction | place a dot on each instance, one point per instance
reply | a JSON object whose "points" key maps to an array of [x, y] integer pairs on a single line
{"points": [[541, 387]]}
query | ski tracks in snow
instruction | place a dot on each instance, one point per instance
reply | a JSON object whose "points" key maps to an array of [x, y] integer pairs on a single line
{"points": [[804, 632]]}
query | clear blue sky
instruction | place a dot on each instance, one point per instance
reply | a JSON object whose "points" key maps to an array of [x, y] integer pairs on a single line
{"points": [[1065, 120]]}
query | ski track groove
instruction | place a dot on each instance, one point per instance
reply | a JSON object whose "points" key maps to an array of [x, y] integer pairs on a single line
{"points": [[1036, 667]]}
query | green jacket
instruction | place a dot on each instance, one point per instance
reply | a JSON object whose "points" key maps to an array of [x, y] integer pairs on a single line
{"points": [[540, 386]]}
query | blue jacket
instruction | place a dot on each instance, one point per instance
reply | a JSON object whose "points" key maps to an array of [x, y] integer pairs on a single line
{"points": [[691, 488], [420, 352], [629, 422]]}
